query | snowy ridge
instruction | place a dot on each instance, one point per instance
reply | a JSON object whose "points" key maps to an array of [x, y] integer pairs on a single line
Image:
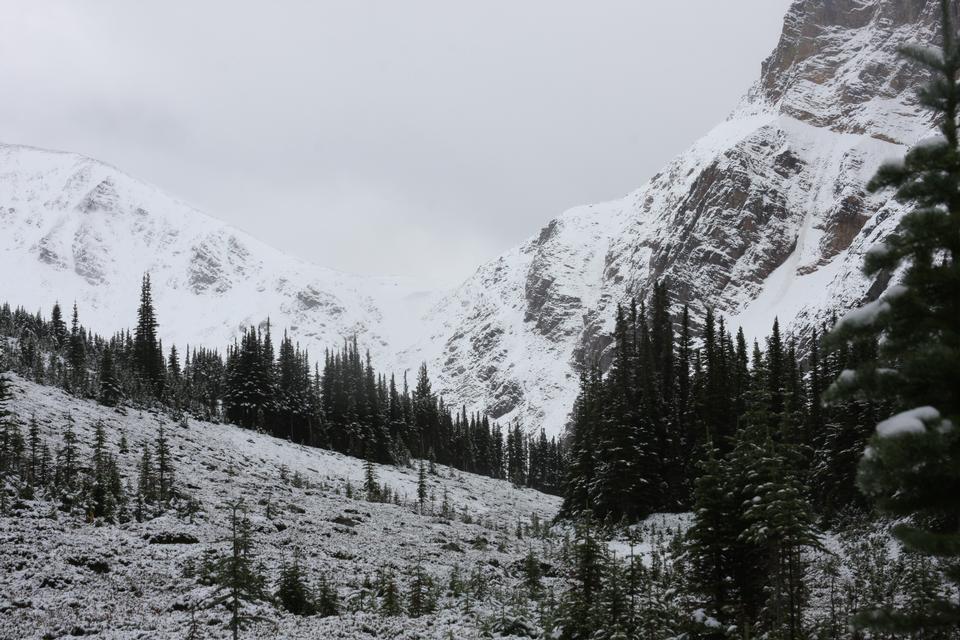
{"points": [[74, 226], [766, 216]]}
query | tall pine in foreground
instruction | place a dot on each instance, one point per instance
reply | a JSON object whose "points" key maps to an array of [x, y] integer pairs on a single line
{"points": [[912, 466]]}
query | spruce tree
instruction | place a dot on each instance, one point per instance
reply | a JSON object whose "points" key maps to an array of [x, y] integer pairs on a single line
{"points": [[58, 326], [77, 355], [239, 579], [293, 592], [391, 605], [164, 466], [34, 447], [68, 464], [712, 538], [370, 485], [422, 486], [328, 600], [110, 390], [912, 466], [580, 609], [147, 354]]}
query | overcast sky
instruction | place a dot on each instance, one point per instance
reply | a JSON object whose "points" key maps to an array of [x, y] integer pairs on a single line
{"points": [[389, 138]]}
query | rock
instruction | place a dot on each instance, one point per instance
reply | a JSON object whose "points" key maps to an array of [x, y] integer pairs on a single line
{"points": [[173, 538], [96, 565]]}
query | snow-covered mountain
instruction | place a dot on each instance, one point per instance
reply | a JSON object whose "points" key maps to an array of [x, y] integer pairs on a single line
{"points": [[764, 216], [78, 229]]}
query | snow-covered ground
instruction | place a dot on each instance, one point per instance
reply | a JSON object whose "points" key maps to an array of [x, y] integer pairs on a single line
{"points": [[60, 576]]}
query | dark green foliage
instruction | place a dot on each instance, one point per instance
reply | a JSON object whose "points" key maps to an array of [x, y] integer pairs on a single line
{"points": [[370, 485], [390, 604], [68, 464], [147, 354], [104, 487], [111, 392], [422, 599], [77, 355], [532, 574], [912, 466], [422, 486], [238, 578], [345, 405], [293, 593], [164, 467], [328, 601], [580, 612]]}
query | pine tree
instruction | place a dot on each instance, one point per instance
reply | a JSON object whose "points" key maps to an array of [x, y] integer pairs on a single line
{"points": [[390, 606], [147, 354], [292, 592], [8, 428], [34, 446], [58, 326], [422, 486], [712, 536], [236, 574], [421, 600], [328, 601], [68, 463], [77, 356], [370, 485], [580, 607], [532, 574], [147, 478], [164, 467], [912, 466], [110, 390]]}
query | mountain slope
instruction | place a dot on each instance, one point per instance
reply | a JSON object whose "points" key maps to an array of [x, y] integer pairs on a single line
{"points": [[764, 216], [62, 577], [76, 228]]}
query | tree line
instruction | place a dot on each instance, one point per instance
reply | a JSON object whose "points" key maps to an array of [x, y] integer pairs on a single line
{"points": [[347, 405]]}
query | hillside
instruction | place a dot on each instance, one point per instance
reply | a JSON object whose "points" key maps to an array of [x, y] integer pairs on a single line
{"points": [[62, 577]]}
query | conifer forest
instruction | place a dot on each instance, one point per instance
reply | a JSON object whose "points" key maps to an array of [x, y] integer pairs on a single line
{"points": [[724, 407]]}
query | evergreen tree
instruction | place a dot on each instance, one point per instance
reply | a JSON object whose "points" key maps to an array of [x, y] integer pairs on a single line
{"points": [[147, 354], [164, 467], [391, 605], [58, 327], [77, 354], [68, 464], [580, 607], [421, 600], [422, 486], [370, 485], [239, 579], [293, 592], [147, 478], [712, 538], [110, 390], [35, 451], [912, 466], [328, 600]]}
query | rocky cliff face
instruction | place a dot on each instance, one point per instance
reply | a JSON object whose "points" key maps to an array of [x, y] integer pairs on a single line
{"points": [[764, 216]]}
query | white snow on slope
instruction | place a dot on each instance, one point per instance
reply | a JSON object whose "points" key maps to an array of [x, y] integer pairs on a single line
{"points": [[73, 226], [47, 585]]}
